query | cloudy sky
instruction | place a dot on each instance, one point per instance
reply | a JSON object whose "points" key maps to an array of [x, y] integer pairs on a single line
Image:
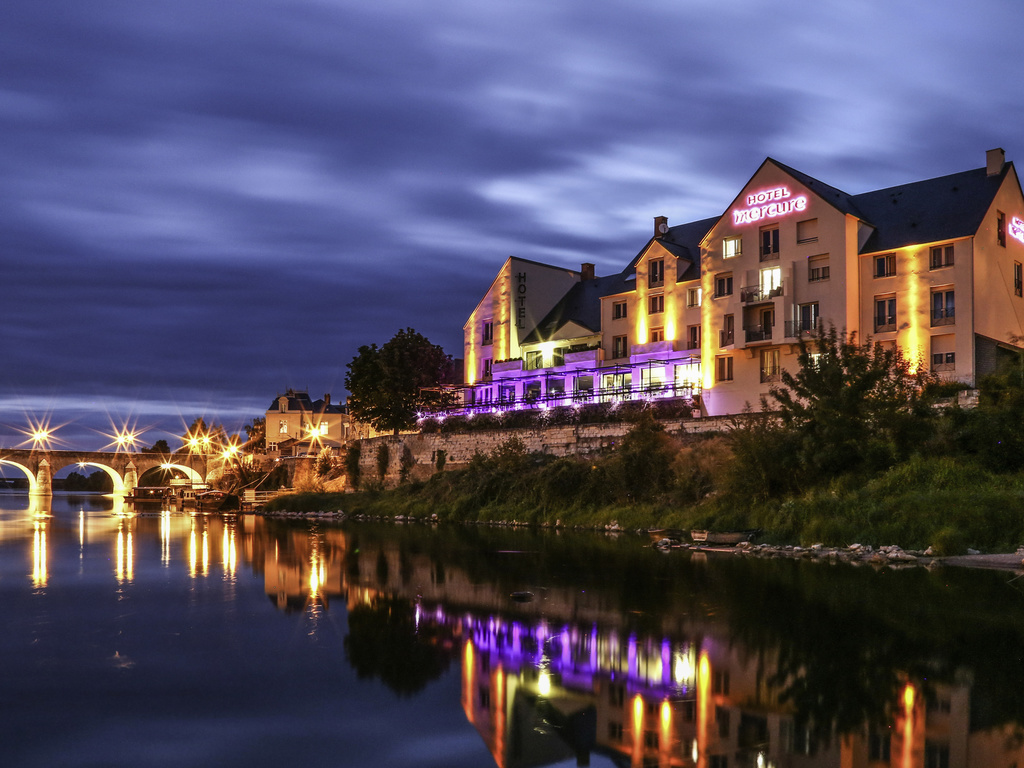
{"points": [[205, 203]]}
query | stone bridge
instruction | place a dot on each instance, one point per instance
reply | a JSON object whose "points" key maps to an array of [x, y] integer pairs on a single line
{"points": [[123, 468]]}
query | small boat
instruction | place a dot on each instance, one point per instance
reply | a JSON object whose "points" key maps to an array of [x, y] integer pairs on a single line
{"points": [[149, 495], [729, 538]]}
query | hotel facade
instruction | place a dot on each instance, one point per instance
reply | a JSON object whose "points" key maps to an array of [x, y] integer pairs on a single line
{"points": [[712, 311]]}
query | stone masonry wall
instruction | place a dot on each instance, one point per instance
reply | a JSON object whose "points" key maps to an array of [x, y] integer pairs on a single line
{"points": [[460, 447]]}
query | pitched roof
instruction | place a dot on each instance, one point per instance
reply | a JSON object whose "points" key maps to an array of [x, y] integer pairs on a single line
{"points": [[301, 401], [581, 305], [838, 199], [927, 211]]}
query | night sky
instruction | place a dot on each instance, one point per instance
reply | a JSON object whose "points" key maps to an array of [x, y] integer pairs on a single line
{"points": [[205, 203]]}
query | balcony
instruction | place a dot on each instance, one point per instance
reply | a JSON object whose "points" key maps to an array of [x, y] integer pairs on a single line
{"points": [[503, 366], [943, 317], [593, 356], [796, 329], [756, 333], [756, 293]]}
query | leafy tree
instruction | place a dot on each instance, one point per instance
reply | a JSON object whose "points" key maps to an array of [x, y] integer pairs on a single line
{"points": [[160, 446], [387, 384], [851, 406], [256, 435]]}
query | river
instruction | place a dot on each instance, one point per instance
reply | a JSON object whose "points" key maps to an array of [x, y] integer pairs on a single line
{"points": [[170, 639]]}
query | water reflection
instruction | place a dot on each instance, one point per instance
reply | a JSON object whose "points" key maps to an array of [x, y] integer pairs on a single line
{"points": [[623, 655]]}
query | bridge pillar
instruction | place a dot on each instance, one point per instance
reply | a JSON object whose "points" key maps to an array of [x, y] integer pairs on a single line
{"points": [[44, 480], [131, 477]]}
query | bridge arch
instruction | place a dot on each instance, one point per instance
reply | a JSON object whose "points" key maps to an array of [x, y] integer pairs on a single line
{"points": [[191, 474], [119, 486], [33, 486]]}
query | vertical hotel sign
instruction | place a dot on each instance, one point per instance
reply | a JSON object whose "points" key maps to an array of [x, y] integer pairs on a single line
{"points": [[769, 204], [520, 301]]}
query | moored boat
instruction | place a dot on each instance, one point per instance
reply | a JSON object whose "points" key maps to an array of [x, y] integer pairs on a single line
{"points": [[729, 538], [673, 534]]}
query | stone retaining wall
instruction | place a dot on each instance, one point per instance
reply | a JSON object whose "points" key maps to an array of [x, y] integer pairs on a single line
{"points": [[459, 448]]}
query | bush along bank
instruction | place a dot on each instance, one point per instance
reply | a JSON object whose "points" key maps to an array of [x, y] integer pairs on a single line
{"points": [[851, 448]]}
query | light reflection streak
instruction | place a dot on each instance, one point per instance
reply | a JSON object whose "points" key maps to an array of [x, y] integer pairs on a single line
{"points": [[39, 572], [165, 537]]}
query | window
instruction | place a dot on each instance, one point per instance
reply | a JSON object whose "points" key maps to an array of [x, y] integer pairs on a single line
{"points": [[771, 282], [693, 297], [558, 356], [885, 314], [619, 348], [1018, 279], [941, 256], [488, 365], [655, 273], [723, 368], [770, 365], [282, 427], [808, 319], [534, 360], [732, 247], [885, 266], [693, 337], [817, 269], [769, 243], [1001, 228], [943, 308], [618, 310], [723, 285], [656, 304], [807, 231], [657, 334], [727, 335]]}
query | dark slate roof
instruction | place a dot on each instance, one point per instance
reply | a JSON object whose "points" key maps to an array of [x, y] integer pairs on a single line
{"points": [[581, 304], [927, 211], [835, 197], [683, 241], [301, 401]]}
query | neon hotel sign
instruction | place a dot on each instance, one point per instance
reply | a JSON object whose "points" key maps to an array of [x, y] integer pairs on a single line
{"points": [[1017, 228], [771, 204]]}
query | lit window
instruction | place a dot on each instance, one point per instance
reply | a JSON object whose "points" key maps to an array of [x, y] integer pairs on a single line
{"points": [[771, 282], [885, 266], [534, 360], [941, 256], [770, 365], [693, 297], [657, 334], [618, 310], [656, 304], [655, 273], [732, 247], [282, 427]]}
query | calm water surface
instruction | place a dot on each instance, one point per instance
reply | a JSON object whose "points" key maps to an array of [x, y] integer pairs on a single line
{"points": [[169, 639]]}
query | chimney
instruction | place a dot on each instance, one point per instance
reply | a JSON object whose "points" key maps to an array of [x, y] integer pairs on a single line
{"points": [[994, 161], [327, 399], [586, 271], [660, 226]]}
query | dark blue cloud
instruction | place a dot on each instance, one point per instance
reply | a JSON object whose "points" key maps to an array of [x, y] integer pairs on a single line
{"points": [[203, 204]]}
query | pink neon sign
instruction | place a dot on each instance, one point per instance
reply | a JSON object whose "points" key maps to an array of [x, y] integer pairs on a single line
{"points": [[1017, 228], [770, 204]]}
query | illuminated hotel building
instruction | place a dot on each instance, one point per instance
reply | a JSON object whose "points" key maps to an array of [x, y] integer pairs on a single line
{"points": [[712, 311]]}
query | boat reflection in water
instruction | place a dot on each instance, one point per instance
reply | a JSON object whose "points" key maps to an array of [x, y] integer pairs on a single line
{"points": [[704, 682]]}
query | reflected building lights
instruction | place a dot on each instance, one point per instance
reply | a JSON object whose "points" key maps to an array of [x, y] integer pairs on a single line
{"points": [[39, 572], [165, 537]]}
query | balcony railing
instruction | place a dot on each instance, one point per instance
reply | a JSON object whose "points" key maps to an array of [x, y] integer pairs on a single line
{"points": [[797, 328], [943, 317], [754, 293], [884, 325], [758, 333], [726, 337]]}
